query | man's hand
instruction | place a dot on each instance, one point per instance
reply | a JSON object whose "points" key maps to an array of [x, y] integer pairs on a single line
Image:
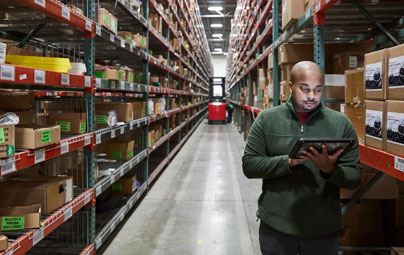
{"points": [[322, 160], [293, 162]]}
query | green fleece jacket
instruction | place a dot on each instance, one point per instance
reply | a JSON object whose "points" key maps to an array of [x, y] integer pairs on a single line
{"points": [[302, 202]]}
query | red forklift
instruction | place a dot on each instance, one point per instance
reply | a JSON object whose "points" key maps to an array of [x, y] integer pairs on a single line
{"points": [[217, 101]]}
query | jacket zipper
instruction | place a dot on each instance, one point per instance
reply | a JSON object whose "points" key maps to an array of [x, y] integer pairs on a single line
{"points": [[302, 129]]}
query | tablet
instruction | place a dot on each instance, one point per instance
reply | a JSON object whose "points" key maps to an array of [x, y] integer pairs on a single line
{"points": [[333, 145]]}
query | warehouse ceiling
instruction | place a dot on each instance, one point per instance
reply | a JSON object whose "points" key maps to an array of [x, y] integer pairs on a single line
{"points": [[216, 16]]}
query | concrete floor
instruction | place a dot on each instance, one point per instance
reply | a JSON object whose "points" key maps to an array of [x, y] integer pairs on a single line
{"points": [[201, 204]]}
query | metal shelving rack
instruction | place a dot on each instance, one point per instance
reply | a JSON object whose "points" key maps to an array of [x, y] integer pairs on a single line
{"points": [[326, 21], [96, 42]]}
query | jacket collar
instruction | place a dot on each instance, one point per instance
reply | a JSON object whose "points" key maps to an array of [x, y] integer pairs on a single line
{"points": [[290, 107]]}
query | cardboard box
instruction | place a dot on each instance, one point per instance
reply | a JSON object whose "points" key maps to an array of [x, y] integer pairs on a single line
{"points": [[4, 242], [33, 137], [375, 123], [120, 150], [127, 36], [7, 140], [395, 127], [255, 91], [124, 111], [16, 101], [395, 66], [295, 52], [347, 60], [286, 70], [291, 11], [284, 91], [125, 186], [104, 18], [50, 192], [114, 24], [350, 222], [355, 86], [375, 75], [357, 113], [262, 79], [397, 250], [69, 122], [20, 217], [336, 106], [140, 41]]}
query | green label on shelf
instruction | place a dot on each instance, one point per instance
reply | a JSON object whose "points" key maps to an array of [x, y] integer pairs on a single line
{"points": [[12, 223], [2, 139], [101, 119], [46, 136], [83, 127], [10, 150], [99, 74], [64, 126], [130, 154], [117, 155], [107, 21], [116, 187], [120, 75]]}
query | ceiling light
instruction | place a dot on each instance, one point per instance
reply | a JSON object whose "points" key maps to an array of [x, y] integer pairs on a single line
{"points": [[216, 25], [218, 49], [217, 35], [215, 8]]}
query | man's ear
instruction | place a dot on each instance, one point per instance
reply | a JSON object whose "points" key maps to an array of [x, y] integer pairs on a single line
{"points": [[290, 86]]}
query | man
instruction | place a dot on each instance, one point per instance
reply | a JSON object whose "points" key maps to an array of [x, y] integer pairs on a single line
{"points": [[299, 207], [229, 109]]}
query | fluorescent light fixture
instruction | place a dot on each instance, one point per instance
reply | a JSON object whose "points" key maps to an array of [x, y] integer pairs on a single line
{"points": [[216, 25], [217, 35], [215, 8], [218, 49]]}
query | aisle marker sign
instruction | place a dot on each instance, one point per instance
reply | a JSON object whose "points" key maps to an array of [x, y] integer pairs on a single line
{"points": [[39, 156], [66, 12], [399, 163]]}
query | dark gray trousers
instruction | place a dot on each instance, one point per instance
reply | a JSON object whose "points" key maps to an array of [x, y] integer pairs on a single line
{"points": [[273, 242]]}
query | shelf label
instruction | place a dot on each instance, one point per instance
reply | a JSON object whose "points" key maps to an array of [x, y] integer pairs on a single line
{"points": [[10, 252], [131, 87], [121, 172], [113, 133], [113, 225], [98, 30], [87, 140], [38, 236], [112, 37], [39, 156], [131, 126], [97, 138], [113, 179], [121, 217], [68, 213], [65, 79], [98, 190], [131, 47], [98, 244], [307, 13], [8, 166], [64, 147], [87, 199], [122, 84], [87, 81], [7, 73], [399, 163], [122, 130], [23, 77], [66, 12], [40, 2], [122, 43], [97, 82], [88, 25], [130, 203]]}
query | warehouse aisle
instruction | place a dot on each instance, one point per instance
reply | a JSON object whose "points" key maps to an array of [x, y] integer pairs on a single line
{"points": [[201, 204]]}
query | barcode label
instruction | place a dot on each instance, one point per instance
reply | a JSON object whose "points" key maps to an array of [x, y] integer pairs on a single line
{"points": [[399, 163], [23, 77], [111, 37], [87, 81], [68, 213], [121, 172], [65, 79], [39, 156], [113, 85], [307, 13], [66, 12], [64, 147], [8, 166], [131, 87], [38, 236], [87, 199], [122, 84], [130, 204], [10, 252], [98, 190], [98, 139], [97, 82], [40, 2], [121, 216], [131, 47], [113, 225], [122, 130], [87, 140], [131, 126], [7, 73], [98, 244], [113, 179], [122, 43], [113, 133], [88, 25], [98, 30], [39, 76]]}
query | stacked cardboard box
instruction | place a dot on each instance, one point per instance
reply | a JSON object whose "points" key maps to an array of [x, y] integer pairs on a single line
{"points": [[140, 41], [108, 20]]}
